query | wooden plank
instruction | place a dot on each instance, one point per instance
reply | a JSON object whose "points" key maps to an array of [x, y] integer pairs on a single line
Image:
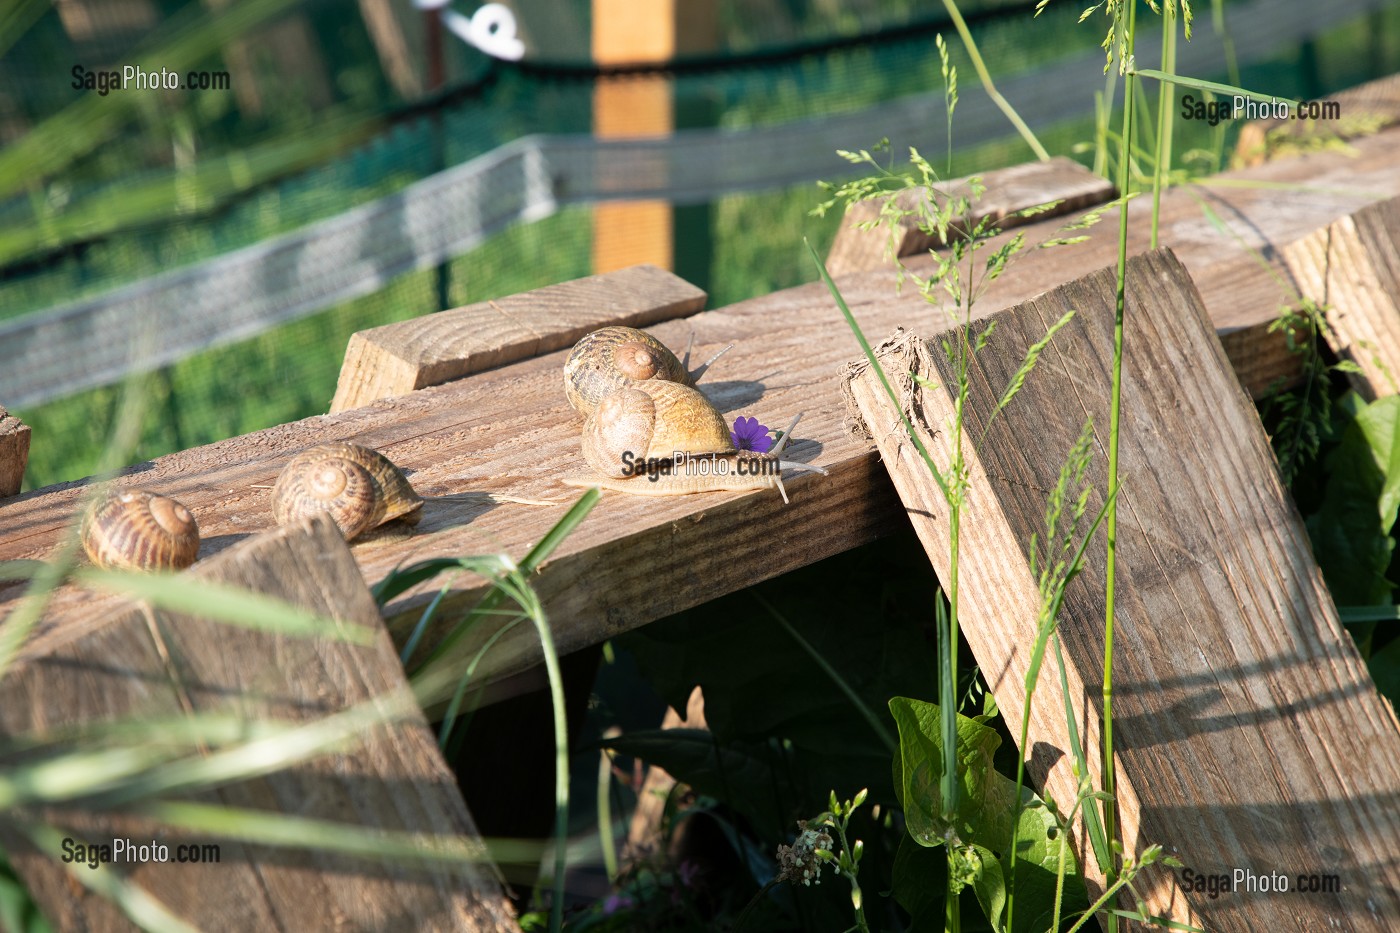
{"points": [[1229, 231], [1008, 190], [1365, 109], [1352, 266], [14, 453], [398, 358], [1248, 733], [391, 778]]}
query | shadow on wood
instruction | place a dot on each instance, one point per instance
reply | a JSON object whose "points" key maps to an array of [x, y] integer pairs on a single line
{"points": [[1248, 733]]}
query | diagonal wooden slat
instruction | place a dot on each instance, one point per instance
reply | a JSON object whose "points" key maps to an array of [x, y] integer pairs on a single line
{"points": [[1247, 732]]}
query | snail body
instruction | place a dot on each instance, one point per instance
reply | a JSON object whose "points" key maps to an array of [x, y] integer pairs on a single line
{"points": [[359, 488], [133, 529], [613, 358], [666, 439]]}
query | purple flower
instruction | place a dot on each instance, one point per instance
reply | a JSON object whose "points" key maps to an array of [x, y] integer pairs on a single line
{"points": [[617, 902], [748, 434]]}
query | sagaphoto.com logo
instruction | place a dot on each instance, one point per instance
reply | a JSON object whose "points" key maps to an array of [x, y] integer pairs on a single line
{"points": [[135, 78]]}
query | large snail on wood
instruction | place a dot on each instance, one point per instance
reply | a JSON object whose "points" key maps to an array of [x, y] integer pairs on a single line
{"points": [[132, 529], [358, 487], [613, 358], [656, 438]]}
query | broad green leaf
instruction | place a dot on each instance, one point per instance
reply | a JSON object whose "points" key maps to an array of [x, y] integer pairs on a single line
{"points": [[1385, 670], [1351, 530], [986, 811], [989, 883], [921, 765]]}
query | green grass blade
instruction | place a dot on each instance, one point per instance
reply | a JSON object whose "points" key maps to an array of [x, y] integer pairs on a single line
{"points": [[1213, 87], [223, 603]]}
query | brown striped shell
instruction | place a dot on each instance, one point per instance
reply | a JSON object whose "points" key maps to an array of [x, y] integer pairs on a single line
{"points": [[359, 488], [651, 420], [132, 529], [611, 358]]}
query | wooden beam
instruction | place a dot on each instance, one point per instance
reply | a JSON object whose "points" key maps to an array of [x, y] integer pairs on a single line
{"points": [[1008, 190], [1352, 268], [398, 358], [14, 453], [1365, 109], [133, 664], [1231, 670]]}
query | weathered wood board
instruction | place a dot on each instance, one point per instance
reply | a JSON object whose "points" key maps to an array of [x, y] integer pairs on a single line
{"points": [[1352, 266], [14, 453], [1365, 109], [1229, 231], [397, 358], [1008, 190], [1240, 703], [114, 668]]}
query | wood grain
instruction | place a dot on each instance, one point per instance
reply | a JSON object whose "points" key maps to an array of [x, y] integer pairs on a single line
{"points": [[1248, 733], [1229, 230], [1365, 109], [1352, 266], [398, 358], [14, 453], [1008, 190], [391, 778]]}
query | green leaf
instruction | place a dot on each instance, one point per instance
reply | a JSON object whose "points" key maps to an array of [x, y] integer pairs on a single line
{"points": [[1351, 531], [1385, 670], [989, 884], [986, 809]]}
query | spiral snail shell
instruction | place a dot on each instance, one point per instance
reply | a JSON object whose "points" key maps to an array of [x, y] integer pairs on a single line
{"points": [[613, 358], [133, 529], [359, 488], [666, 439]]}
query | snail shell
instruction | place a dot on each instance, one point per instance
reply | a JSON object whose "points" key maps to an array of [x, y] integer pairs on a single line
{"points": [[132, 529], [612, 358], [632, 437], [358, 487], [651, 420]]}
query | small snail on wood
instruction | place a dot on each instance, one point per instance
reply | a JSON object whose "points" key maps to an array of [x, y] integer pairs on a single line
{"points": [[132, 529], [612, 358], [358, 487], [666, 439]]}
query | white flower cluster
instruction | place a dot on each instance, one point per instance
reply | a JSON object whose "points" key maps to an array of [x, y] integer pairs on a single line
{"points": [[799, 861]]}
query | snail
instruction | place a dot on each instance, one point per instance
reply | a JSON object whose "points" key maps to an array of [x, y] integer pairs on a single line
{"points": [[614, 357], [358, 487], [666, 439], [132, 529]]}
